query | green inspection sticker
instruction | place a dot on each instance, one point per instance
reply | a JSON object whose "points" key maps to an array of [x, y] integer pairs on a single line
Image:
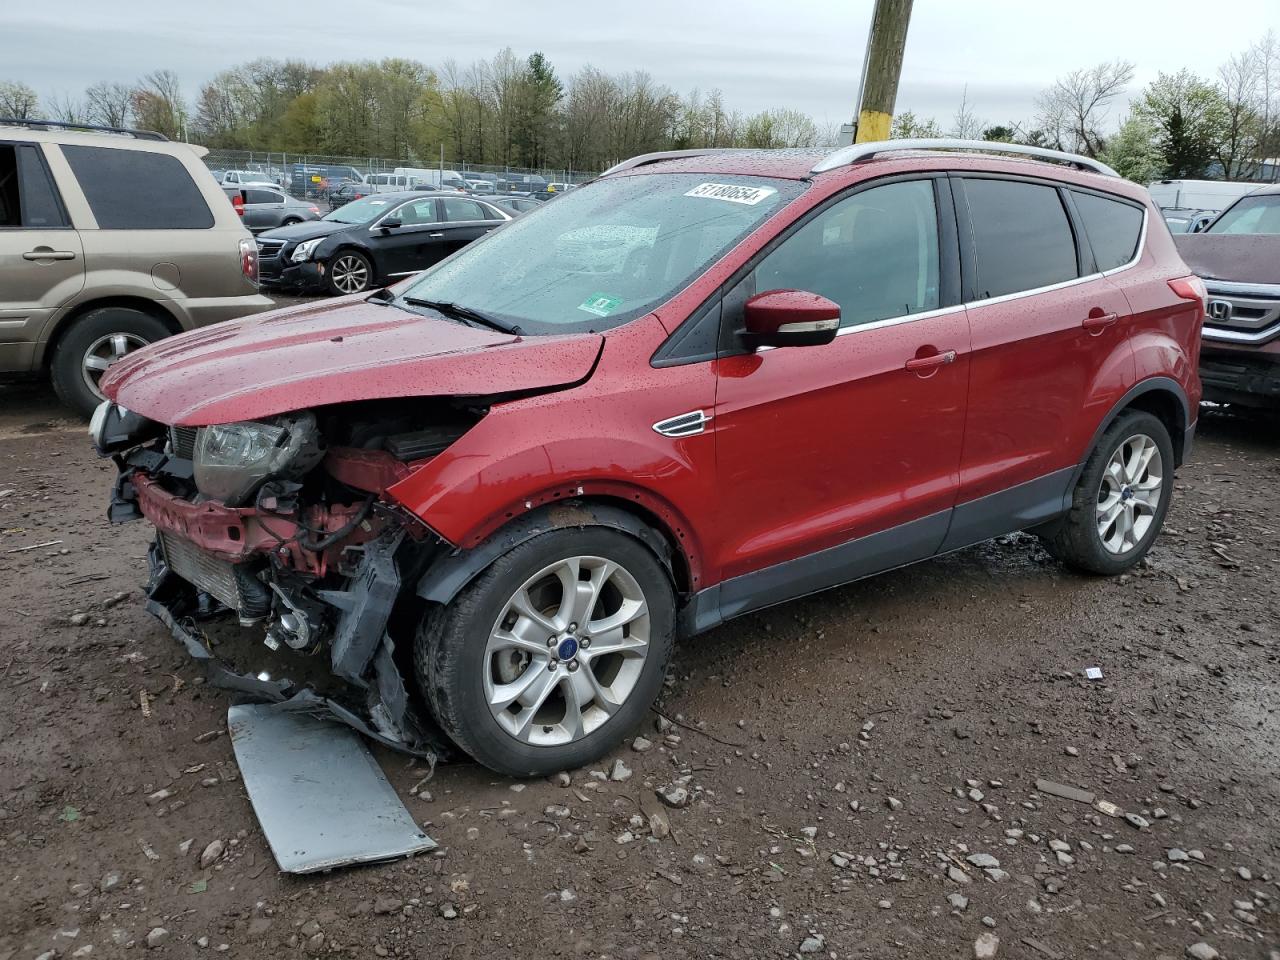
{"points": [[600, 304]]}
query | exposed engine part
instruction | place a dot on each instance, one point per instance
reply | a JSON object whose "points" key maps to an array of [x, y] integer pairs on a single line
{"points": [[182, 442], [423, 443], [232, 584], [296, 626]]}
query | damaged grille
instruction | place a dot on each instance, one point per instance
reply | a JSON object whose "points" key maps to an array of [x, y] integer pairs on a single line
{"points": [[230, 584], [182, 440]]}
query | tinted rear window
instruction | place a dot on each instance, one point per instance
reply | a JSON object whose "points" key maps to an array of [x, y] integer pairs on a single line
{"points": [[1021, 235], [262, 196], [1113, 229], [138, 190]]}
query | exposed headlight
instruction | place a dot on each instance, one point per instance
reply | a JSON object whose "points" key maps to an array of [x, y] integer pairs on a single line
{"points": [[112, 428], [303, 251], [233, 459]]}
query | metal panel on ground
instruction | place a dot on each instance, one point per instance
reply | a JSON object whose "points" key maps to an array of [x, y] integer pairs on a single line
{"points": [[321, 798]]}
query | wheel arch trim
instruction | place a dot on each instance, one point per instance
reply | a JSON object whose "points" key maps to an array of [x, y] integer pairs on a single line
{"points": [[1180, 438], [445, 578]]}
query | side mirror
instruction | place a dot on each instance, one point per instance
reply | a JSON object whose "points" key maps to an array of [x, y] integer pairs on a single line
{"points": [[790, 318], [391, 223]]}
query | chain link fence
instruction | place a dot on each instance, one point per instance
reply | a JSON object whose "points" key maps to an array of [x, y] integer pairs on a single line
{"points": [[314, 175]]}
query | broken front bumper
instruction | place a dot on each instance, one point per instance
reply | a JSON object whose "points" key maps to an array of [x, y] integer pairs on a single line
{"points": [[338, 600]]}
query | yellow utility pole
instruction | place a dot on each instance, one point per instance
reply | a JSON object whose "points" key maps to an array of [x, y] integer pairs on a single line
{"points": [[881, 69]]}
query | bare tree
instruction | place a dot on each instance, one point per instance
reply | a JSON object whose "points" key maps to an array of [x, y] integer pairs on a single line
{"points": [[67, 109], [18, 101], [109, 103], [966, 124], [1074, 111], [1238, 81]]}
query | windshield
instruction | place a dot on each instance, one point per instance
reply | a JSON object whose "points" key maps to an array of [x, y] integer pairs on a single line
{"points": [[604, 254], [1250, 215], [359, 211]]}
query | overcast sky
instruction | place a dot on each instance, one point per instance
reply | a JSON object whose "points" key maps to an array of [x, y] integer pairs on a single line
{"points": [[804, 54]]}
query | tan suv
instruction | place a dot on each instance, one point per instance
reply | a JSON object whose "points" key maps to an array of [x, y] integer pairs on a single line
{"points": [[110, 239]]}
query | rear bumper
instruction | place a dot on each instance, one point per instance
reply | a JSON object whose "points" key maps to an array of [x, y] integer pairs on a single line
{"points": [[204, 311]]}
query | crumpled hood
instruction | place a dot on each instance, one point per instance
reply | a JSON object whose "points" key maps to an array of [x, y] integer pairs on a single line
{"points": [[335, 352], [1243, 258]]}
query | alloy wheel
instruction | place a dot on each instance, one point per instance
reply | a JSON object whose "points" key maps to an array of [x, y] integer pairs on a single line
{"points": [[1129, 494], [567, 651], [349, 273], [105, 351]]}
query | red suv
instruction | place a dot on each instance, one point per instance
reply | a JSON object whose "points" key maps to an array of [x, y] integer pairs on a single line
{"points": [[701, 385]]}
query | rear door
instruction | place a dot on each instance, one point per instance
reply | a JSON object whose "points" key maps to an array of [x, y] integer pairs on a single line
{"points": [[41, 257], [263, 209], [1050, 332], [465, 220], [837, 461]]}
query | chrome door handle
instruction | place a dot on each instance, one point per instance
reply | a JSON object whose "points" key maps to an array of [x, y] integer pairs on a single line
{"points": [[44, 253], [435, 236], [928, 363]]}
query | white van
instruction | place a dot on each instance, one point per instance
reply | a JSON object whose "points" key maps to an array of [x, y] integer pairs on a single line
{"points": [[1215, 195], [391, 182], [440, 179]]}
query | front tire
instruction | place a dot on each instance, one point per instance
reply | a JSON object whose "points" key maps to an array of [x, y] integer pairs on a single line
{"points": [[553, 654], [94, 342], [1120, 500], [347, 272]]}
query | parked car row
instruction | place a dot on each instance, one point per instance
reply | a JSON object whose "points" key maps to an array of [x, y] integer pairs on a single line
{"points": [[374, 240]]}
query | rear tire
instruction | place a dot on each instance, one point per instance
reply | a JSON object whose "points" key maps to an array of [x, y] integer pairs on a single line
{"points": [[530, 694], [93, 342], [1120, 501]]}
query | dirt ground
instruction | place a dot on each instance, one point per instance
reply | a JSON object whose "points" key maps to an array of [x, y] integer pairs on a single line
{"points": [[860, 766]]}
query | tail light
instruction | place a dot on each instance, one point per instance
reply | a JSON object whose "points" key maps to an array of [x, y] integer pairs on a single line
{"points": [[1191, 288], [249, 259], [315, 210], [238, 203]]}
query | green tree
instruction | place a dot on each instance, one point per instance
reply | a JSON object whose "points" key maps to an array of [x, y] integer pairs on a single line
{"points": [[533, 127], [1190, 117], [1134, 152], [1000, 133], [907, 126]]}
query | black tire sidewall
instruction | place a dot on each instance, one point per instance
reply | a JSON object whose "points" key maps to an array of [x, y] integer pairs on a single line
{"points": [[349, 252], [68, 355], [451, 650], [1093, 556]]}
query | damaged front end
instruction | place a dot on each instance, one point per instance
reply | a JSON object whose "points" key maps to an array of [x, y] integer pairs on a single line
{"points": [[283, 524]]}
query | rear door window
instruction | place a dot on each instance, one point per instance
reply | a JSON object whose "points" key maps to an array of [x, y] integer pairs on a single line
{"points": [[458, 209], [1112, 226], [138, 190], [262, 196], [1022, 238]]}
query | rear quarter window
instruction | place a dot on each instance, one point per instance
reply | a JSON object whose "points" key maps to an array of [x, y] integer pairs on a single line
{"points": [[1112, 226], [138, 190]]}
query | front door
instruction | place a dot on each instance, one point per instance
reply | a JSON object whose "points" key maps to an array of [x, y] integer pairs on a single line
{"points": [[464, 221], [412, 246], [41, 259], [837, 461]]}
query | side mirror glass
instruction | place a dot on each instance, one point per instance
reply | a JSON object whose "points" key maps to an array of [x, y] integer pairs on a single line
{"points": [[790, 318]]}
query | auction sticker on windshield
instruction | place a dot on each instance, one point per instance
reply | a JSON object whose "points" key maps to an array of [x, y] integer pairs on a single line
{"points": [[600, 304], [732, 192]]}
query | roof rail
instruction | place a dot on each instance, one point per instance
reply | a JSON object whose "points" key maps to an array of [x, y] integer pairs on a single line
{"points": [[865, 151], [647, 158], [90, 127]]}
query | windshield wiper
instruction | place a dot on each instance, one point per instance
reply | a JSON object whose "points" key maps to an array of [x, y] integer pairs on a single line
{"points": [[459, 312]]}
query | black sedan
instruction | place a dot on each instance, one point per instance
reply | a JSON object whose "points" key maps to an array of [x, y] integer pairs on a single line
{"points": [[377, 239], [351, 190]]}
